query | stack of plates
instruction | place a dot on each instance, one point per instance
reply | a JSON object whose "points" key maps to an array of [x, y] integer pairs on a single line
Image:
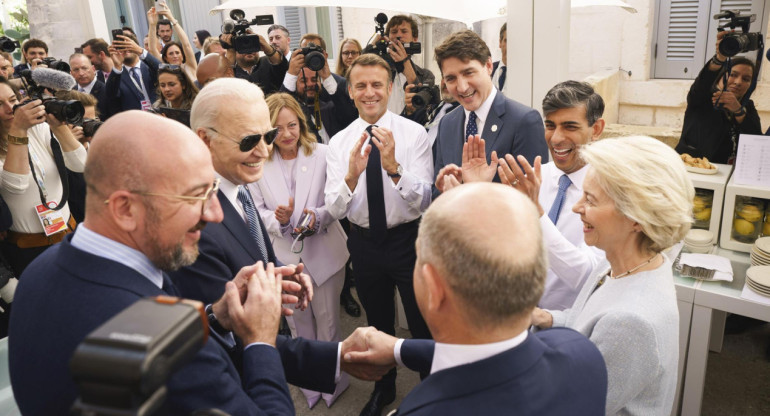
{"points": [[760, 252], [699, 241], [758, 279]]}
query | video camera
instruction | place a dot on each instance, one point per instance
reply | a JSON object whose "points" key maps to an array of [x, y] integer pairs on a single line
{"points": [[314, 56], [237, 25], [8, 45], [735, 43], [381, 46], [121, 368], [426, 94], [37, 81], [56, 64]]}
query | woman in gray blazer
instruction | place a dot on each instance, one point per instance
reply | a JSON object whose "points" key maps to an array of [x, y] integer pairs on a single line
{"points": [[637, 202]]}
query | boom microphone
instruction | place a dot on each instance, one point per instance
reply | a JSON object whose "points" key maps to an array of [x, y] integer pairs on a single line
{"points": [[53, 79], [381, 18]]}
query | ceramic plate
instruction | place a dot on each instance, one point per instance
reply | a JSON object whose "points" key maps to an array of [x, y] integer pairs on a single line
{"points": [[702, 171]]}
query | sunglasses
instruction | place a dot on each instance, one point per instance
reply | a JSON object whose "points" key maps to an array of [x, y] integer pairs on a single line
{"points": [[248, 143], [170, 67]]}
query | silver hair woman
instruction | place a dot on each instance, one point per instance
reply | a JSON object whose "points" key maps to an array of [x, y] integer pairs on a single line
{"points": [[637, 201]]}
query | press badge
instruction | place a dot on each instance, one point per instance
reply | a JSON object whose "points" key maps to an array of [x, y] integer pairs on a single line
{"points": [[53, 221], [146, 106]]}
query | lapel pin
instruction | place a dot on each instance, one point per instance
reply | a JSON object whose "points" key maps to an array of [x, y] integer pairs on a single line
{"points": [[494, 128]]}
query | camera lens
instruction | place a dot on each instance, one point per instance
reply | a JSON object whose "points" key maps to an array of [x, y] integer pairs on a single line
{"points": [[315, 60], [733, 44], [70, 111]]}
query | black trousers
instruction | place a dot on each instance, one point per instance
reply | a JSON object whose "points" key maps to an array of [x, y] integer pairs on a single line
{"points": [[380, 268]]}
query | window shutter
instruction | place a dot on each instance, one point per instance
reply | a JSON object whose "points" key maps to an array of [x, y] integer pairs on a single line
{"points": [[746, 7], [294, 20], [682, 37]]}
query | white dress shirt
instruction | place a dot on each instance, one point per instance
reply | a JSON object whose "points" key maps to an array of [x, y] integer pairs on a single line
{"points": [[396, 102], [404, 201], [481, 114], [496, 76], [88, 87], [570, 260], [230, 191]]}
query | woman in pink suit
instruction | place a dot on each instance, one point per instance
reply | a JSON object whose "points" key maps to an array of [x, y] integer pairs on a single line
{"points": [[291, 187]]}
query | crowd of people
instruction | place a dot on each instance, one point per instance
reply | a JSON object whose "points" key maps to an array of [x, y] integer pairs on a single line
{"points": [[542, 287]]}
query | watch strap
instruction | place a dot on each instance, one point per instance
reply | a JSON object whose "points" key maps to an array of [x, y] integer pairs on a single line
{"points": [[213, 322], [21, 140]]}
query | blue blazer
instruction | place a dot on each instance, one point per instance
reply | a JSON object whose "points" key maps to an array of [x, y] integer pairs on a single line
{"points": [[122, 92], [553, 372], [66, 293], [510, 128]]}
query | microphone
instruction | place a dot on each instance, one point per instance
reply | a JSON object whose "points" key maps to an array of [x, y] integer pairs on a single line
{"points": [[381, 18], [228, 26], [53, 79]]}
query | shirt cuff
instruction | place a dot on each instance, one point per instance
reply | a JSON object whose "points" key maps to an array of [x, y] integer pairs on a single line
{"points": [[397, 352], [115, 70], [345, 192], [290, 82], [286, 228], [259, 343], [330, 85], [337, 370], [143, 56]]}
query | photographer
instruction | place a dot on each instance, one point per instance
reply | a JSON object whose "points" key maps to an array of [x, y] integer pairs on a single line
{"points": [[267, 72], [33, 51], [401, 29], [134, 76], [335, 110], [30, 137], [717, 113]]}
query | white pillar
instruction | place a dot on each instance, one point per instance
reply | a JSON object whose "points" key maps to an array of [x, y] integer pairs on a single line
{"points": [[66, 24], [538, 48]]}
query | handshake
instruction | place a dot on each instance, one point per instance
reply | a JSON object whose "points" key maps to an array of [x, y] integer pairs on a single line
{"points": [[368, 353]]}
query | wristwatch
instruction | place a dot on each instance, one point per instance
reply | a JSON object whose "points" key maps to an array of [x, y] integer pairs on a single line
{"points": [[740, 112], [399, 172], [17, 140], [213, 322]]}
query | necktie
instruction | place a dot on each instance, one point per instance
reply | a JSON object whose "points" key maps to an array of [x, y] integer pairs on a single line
{"points": [[564, 183], [251, 218], [82, 89], [471, 129], [501, 80], [378, 226], [135, 76]]}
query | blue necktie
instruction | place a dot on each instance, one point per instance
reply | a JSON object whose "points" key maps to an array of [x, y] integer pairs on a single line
{"points": [[251, 217], [501, 80], [378, 224], [471, 129], [564, 183]]}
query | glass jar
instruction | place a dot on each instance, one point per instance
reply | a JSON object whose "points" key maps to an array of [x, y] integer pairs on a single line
{"points": [[701, 208], [748, 219], [766, 227]]}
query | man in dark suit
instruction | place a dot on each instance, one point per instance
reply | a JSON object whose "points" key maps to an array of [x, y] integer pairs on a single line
{"points": [[33, 50], [97, 51], [507, 127], [500, 68], [477, 300], [132, 84], [147, 201], [84, 73]]}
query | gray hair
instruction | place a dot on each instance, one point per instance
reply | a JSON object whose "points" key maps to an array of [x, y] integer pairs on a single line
{"points": [[221, 94], [648, 183], [280, 27], [492, 282], [570, 94]]}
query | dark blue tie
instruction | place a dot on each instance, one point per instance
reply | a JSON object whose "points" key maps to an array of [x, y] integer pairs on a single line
{"points": [[135, 75], [378, 225], [564, 183], [251, 217], [501, 80], [471, 129]]}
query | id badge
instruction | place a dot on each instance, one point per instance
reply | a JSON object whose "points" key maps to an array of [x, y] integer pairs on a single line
{"points": [[53, 221], [146, 106]]}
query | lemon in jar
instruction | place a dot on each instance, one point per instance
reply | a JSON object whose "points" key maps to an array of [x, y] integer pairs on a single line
{"points": [[750, 213], [703, 214], [743, 227]]}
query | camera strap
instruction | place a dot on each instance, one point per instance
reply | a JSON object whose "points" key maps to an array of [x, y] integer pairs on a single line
{"points": [[58, 158]]}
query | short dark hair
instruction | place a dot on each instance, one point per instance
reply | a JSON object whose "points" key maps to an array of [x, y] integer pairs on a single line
{"points": [[398, 19], [503, 29], [280, 27], [742, 60], [464, 45], [97, 45], [315, 38], [166, 47], [368, 59], [128, 29], [163, 22], [34, 43], [132, 36], [571, 94]]}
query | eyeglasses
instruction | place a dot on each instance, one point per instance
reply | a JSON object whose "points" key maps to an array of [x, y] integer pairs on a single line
{"points": [[207, 197], [351, 53], [170, 67], [248, 143]]}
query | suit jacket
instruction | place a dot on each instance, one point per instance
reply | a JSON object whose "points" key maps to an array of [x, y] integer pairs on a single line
{"points": [[18, 68], [337, 110], [323, 253], [99, 91], [123, 94], [553, 372], [66, 293], [510, 128]]}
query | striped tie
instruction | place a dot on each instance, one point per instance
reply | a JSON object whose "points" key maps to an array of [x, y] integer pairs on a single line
{"points": [[253, 223]]}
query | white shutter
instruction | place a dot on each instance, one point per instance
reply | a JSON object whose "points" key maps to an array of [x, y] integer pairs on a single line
{"points": [[294, 20], [681, 38]]}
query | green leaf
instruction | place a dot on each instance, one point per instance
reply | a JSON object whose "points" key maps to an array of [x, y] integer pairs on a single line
{"points": [[13, 34], [17, 55], [16, 15]]}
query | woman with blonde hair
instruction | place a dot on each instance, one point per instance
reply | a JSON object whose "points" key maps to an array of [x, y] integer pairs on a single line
{"points": [[290, 199], [350, 49]]}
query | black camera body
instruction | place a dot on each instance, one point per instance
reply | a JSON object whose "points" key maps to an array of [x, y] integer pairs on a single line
{"points": [[56, 64], [381, 46], [90, 126], [69, 111], [8, 45], [735, 43], [237, 25], [314, 56], [426, 94]]}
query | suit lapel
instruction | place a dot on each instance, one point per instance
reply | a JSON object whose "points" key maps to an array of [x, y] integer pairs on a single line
{"points": [[453, 150], [494, 119], [304, 177], [234, 223], [274, 181], [127, 80]]}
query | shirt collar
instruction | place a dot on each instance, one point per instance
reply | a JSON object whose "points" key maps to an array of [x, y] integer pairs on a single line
{"points": [[228, 189], [577, 177], [483, 111], [384, 121], [89, 86], [99, 245], [447, 356]]}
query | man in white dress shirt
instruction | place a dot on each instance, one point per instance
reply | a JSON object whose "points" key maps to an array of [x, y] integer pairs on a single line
{"points": [[379, 172]]}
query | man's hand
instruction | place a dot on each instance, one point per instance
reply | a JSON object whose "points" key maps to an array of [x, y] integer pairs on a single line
{"points": [[357, 162], [408, 95], [297, 287], [297, 62], [128, 45], [474, 165], [368, 354], [240, 281], [727, 99], [447, 171], [383, 139], [324, 72], [397, 51], [257, 319], [117, 57], [283, 212], [527, 181], [541, 318], [152, 17]]}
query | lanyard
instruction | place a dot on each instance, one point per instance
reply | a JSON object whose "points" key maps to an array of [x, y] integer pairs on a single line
{"points": [[136, 84], [58, 159], [35, 162]]}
